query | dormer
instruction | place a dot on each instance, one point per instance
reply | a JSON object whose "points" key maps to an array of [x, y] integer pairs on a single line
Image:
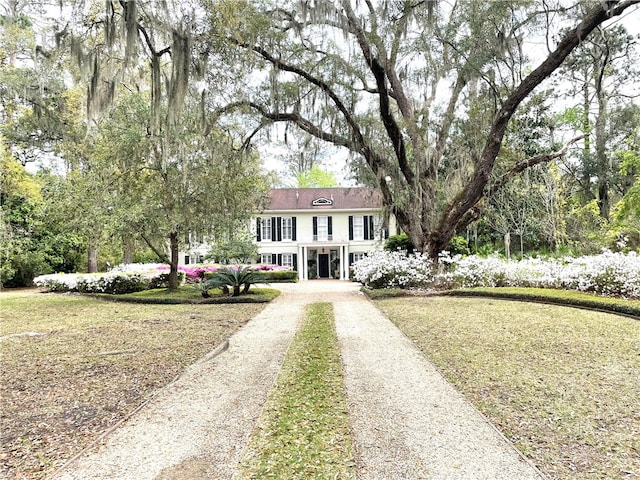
{"points": [[322, 202]]}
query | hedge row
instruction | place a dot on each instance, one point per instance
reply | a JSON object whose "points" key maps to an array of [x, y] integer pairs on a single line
{"points": [[271, 276], [111, 283]]}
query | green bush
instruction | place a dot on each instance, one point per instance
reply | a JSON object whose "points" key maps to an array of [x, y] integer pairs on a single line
{"points": [[163, 297], [459, 246], [399, 243], [234, 280], [280, 276], [270, 276]]}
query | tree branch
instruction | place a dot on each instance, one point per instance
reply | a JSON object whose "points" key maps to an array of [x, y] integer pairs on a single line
{"points": [[474, 190], [530, 162], [280, 65], [388, 120], [162, 256]]}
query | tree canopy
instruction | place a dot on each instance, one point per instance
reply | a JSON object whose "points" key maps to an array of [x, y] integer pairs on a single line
{"points": [[423, 92], [155, 110]]}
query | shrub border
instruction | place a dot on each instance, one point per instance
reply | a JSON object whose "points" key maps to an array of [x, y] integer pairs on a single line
{"points": [[258, 297]]}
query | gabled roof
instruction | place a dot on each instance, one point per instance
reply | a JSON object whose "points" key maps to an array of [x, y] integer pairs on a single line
{"points": [[348, 198]]}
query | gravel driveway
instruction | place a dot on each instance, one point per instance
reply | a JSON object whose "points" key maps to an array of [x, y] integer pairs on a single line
{"points": [[408, 422]]}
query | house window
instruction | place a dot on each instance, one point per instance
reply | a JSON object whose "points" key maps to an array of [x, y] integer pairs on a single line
{"points": [[358, 228], [265, 258], [287, 228], [376, 228], [287, 260], [323, 229], [357, 256], [265, 229]]}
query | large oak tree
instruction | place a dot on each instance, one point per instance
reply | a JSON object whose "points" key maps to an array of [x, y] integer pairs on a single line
{"points": [[422, 91]]}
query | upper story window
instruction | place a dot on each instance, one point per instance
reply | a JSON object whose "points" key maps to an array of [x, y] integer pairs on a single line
{"points": [[275, 229], [377, 228], [358, 228], [265, 229], [287, 228], [322, 229], [362, 227], [321, 201]]}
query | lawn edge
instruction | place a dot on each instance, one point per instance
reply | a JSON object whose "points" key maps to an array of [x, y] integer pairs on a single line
{"points": [[265, 297], [595, 304], [217, 350]]}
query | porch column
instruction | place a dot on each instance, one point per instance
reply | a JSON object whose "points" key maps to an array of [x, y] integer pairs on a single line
{"points": [[344, 262], [302, 264]]}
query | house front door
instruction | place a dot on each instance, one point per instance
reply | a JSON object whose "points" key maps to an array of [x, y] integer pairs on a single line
{"points": [[323, 265]]}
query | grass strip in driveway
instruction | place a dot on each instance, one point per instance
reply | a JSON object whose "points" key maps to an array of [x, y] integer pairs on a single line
{"points": [[304, 429], [561, 383]]}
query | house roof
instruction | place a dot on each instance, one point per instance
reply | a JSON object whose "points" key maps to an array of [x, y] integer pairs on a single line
{"points": [[323, 198]]}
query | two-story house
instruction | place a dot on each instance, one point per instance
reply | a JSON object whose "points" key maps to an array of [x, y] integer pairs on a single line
{"points": [[320, 232]]}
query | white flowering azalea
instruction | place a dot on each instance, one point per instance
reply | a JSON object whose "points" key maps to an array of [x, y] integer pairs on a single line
{"points": [[613, 274], [110, 282], [138, 267], [394, 269]]}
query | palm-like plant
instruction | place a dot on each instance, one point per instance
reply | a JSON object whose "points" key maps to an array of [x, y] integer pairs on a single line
{"points": [[239, 280]]}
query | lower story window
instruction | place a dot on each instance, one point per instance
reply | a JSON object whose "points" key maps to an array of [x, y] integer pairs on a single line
{"points": [[287, 260], [357, 256], [265, 258]]}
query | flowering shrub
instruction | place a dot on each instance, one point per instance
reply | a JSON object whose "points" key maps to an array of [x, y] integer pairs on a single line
{"points": [[613, 274], [384, 269], [198, 272], [132, 277], [117, 282]]}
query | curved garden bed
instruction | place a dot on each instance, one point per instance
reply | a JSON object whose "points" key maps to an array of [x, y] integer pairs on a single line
{"points": [[620, 306], [189, 295]]}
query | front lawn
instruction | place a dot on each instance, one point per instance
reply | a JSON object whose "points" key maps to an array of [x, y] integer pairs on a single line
{"points": [[561, 383], [72, 366]]}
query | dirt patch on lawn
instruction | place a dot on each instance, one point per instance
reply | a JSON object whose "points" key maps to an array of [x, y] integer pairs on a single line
{"points": [[94, 364]]}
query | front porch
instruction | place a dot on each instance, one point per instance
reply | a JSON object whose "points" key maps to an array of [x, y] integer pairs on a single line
{"points": [[323, 261]]}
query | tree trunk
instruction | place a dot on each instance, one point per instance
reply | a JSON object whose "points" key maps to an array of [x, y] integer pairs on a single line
{"points": [[127, 251], [587, 169], [522, 245], [173, 264], [507, 245], [602, 161], [92, 256]]}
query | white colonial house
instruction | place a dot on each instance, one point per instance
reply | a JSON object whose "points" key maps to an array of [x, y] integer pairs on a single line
{"points": [[320, 232]]}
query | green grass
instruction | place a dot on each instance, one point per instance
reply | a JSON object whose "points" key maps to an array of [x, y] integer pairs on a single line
{"points": [[189, 294], [379, 293], [304, 430], [90, 364], [563, 297], [561, 383]]}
